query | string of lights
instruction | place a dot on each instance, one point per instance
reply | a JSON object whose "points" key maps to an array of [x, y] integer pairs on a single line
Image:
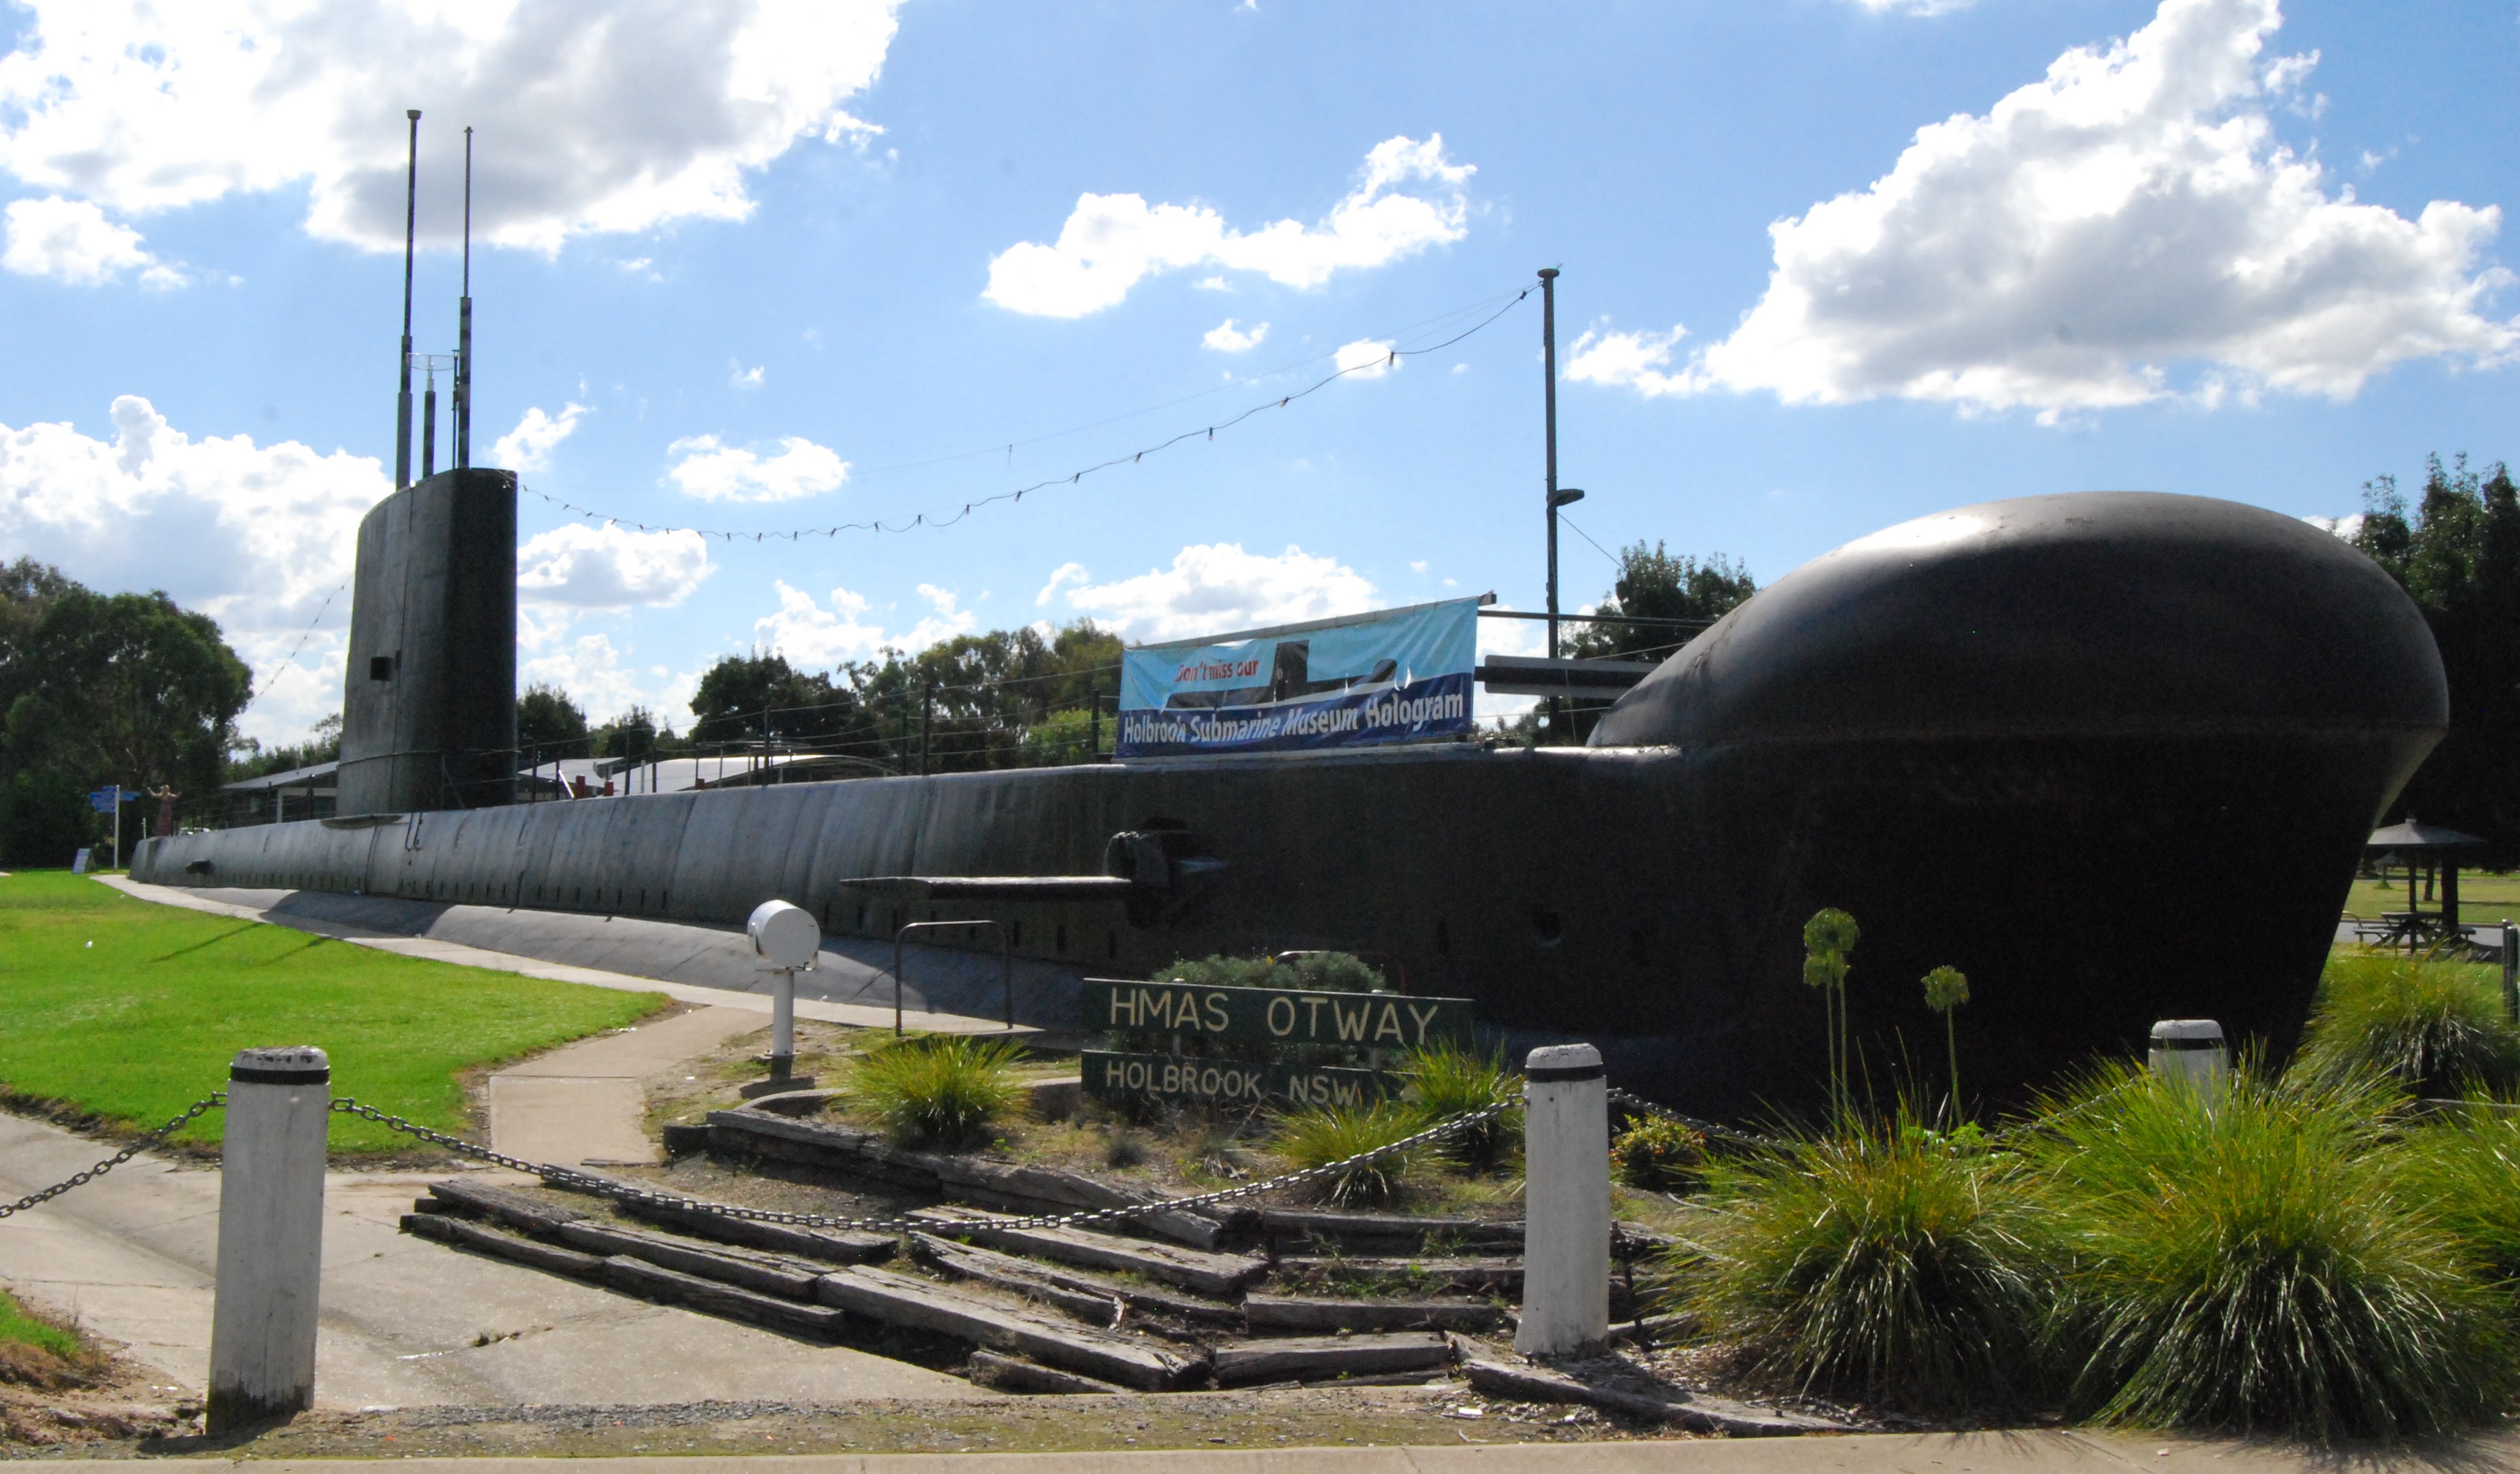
{"points": [[1203, 433]]}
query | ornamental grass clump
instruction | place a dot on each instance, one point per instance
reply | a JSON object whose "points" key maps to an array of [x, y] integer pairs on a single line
{"points": [[1450, 1080], [940, 1090], [1873, 1260], [2251, 1259], [1323, 1134], [2437, 1028], [2466, 1170]]}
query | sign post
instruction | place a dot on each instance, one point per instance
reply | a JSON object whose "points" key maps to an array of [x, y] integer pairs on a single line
{"points": [[1275, 1018]]}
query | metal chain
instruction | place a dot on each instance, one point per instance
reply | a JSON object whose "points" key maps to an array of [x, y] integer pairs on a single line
{"points": [[1708, 1129], [210, 1101], [581, 1181]]}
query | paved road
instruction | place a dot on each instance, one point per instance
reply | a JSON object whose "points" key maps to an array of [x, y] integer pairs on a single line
{"points": [[405, 1321]]}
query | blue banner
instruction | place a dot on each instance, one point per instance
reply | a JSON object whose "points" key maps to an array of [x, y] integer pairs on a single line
{"points": [[1396, 676]]}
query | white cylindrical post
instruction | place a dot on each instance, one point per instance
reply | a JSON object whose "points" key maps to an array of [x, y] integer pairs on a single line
{"points": [[2511, 969], [1566, 1201], [271, 1237], [782, 1024], [2193, 1050]]}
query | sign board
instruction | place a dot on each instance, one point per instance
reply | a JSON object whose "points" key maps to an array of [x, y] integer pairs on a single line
{"points": [[1236, 1082], [1393, 676], [78, 863], [1276, 1016], [104, 800]]}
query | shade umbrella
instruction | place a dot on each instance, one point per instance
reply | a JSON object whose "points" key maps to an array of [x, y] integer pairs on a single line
{"points": [[2431, 840]]}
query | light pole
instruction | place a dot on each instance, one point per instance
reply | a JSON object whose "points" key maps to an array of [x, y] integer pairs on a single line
{"points": [[1554, 498]]}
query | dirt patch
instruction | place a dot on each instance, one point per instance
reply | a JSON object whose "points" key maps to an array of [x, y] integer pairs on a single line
{"points": [[52, 1404], [1291, 1418]]}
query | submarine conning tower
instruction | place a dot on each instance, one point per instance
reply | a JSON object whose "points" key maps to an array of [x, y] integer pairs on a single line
{"points": [[428, 699]]}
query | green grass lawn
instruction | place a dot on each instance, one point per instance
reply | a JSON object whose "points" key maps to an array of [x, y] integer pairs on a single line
{"points": [[18, 1328], [2481, 899], [132, 1011]]}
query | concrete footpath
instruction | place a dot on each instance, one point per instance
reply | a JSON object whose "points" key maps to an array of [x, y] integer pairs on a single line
{"points": [[585, 1104], [1863, 1454], [405, 1321]]}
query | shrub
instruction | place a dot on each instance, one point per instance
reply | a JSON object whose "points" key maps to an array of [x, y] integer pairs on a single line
{"points": [[1451, 1080], [1871, 1261], [1324, 1135], [2436, 1028], [2248, 1260], [1316, 972], [943, 1091], [1660, 1156]]}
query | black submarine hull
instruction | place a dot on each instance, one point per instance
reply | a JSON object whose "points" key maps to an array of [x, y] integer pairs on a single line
{"points": [[2113, 755]]}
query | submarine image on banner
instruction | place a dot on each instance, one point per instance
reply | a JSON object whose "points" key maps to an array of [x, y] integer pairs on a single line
{"points": [[2112, 755]]}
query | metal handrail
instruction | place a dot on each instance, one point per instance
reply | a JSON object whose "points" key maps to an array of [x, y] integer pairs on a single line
{"points": [[1006, 965]]}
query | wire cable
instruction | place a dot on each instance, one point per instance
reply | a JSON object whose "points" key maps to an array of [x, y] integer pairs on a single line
{"points": [[289, 659], [1207, 432]]}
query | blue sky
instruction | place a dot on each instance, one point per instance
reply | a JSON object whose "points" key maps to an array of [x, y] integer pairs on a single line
{"points": [[768, 267]]}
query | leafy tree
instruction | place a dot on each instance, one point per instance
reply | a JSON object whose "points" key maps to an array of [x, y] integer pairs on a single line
{"points": [[321, 745], [1004, 699], [1656, 584], [744, 697], [2458, 554], [548, 721], [122, 688], [45, 819], [631, 735]]}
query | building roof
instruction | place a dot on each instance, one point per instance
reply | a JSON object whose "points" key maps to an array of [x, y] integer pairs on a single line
{"points": [[295, 777]]}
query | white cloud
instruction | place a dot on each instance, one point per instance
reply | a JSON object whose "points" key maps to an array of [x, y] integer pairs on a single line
{"points": [[2347, 527], [611, 567], [718, 472], [70, 241], [589, 668], [1112, 242], [1225, 337], [1914, 7], [1367, 358], [2128, 215], [742, 378], [257, 537], [590, 118], [809, 635], [1217, 587], [528, 447], [1059, 577]]}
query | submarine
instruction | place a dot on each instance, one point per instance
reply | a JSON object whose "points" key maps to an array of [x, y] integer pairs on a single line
{"points": [[2111, 754]]}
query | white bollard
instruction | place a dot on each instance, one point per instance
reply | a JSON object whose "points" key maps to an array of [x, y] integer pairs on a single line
{"points": [[1566, 1201], [2512, 970], [271, 1237], [788, 939], [2191, 1050]]}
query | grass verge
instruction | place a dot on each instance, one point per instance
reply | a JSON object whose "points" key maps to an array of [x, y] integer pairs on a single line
{"points": [[129, 1011]]}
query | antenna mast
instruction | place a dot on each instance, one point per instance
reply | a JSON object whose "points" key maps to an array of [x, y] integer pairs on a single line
{"points": [[410, 221], [464, 325]]}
